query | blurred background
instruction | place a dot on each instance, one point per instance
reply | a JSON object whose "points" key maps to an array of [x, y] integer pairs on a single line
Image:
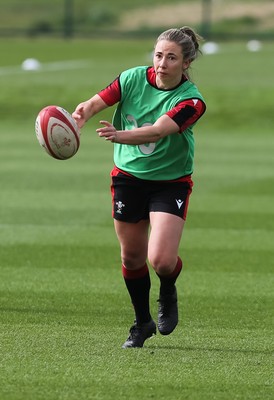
{"points": [[62, 37], [215, 19]]}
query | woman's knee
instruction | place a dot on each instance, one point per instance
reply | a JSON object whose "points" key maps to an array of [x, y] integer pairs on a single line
{"points": [[133, 260], [163, 264]]}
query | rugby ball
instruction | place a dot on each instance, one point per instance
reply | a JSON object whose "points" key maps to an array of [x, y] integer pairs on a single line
{"points": [[57, 132]]}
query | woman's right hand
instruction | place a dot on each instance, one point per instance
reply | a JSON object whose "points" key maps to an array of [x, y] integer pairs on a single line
{"points": [[80, 114], [85, 110]]}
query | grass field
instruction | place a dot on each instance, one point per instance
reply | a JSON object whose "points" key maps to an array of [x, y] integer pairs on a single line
{"points": [[64, 310], [36, 17]]}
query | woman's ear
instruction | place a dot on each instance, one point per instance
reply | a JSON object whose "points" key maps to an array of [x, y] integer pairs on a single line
{"points": [[186, 65]]}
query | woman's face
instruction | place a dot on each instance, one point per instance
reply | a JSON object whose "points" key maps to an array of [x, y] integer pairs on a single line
{"points": [[169, 64]]}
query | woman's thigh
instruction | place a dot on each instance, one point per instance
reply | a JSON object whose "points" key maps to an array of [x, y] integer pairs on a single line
{"points": [[164, 241], [133, 239]]}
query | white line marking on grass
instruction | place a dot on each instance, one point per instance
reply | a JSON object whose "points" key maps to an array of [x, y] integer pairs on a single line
{"points": [[60, 65], [46, 67]]}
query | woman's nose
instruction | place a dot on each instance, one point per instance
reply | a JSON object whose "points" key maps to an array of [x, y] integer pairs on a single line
{"points": [[162, 62]]}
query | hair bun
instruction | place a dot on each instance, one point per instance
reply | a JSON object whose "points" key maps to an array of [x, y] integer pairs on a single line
{"points": [[192, 34]]}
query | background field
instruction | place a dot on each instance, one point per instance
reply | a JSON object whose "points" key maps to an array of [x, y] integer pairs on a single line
{"points": [[64, 311], [227, 18]]}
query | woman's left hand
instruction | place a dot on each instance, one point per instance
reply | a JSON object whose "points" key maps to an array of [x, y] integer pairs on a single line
{"points": [[109, 132]]}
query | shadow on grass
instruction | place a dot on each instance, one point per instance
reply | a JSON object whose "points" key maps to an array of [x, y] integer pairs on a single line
{"points": [[207, 349]]}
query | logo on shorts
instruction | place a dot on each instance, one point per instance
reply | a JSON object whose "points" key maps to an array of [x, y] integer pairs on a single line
{"points": [[179, 203], [120, 206]]}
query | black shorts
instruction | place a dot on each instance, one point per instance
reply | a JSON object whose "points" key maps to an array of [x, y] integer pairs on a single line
{"points": [[133, 199]]}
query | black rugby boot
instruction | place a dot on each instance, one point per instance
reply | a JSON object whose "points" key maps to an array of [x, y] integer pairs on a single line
{"points": [[139, 333], [167, 312]]}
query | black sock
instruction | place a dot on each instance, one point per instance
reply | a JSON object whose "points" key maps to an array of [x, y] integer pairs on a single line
{"points": [[167, 286], [138, 286]]}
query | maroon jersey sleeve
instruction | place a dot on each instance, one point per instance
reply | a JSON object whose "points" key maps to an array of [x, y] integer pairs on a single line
{"points": [[112, 93], [187, 113]]}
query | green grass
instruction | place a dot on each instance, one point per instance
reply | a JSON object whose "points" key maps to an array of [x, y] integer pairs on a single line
{"points": [[64, 310], [40, 17]]}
